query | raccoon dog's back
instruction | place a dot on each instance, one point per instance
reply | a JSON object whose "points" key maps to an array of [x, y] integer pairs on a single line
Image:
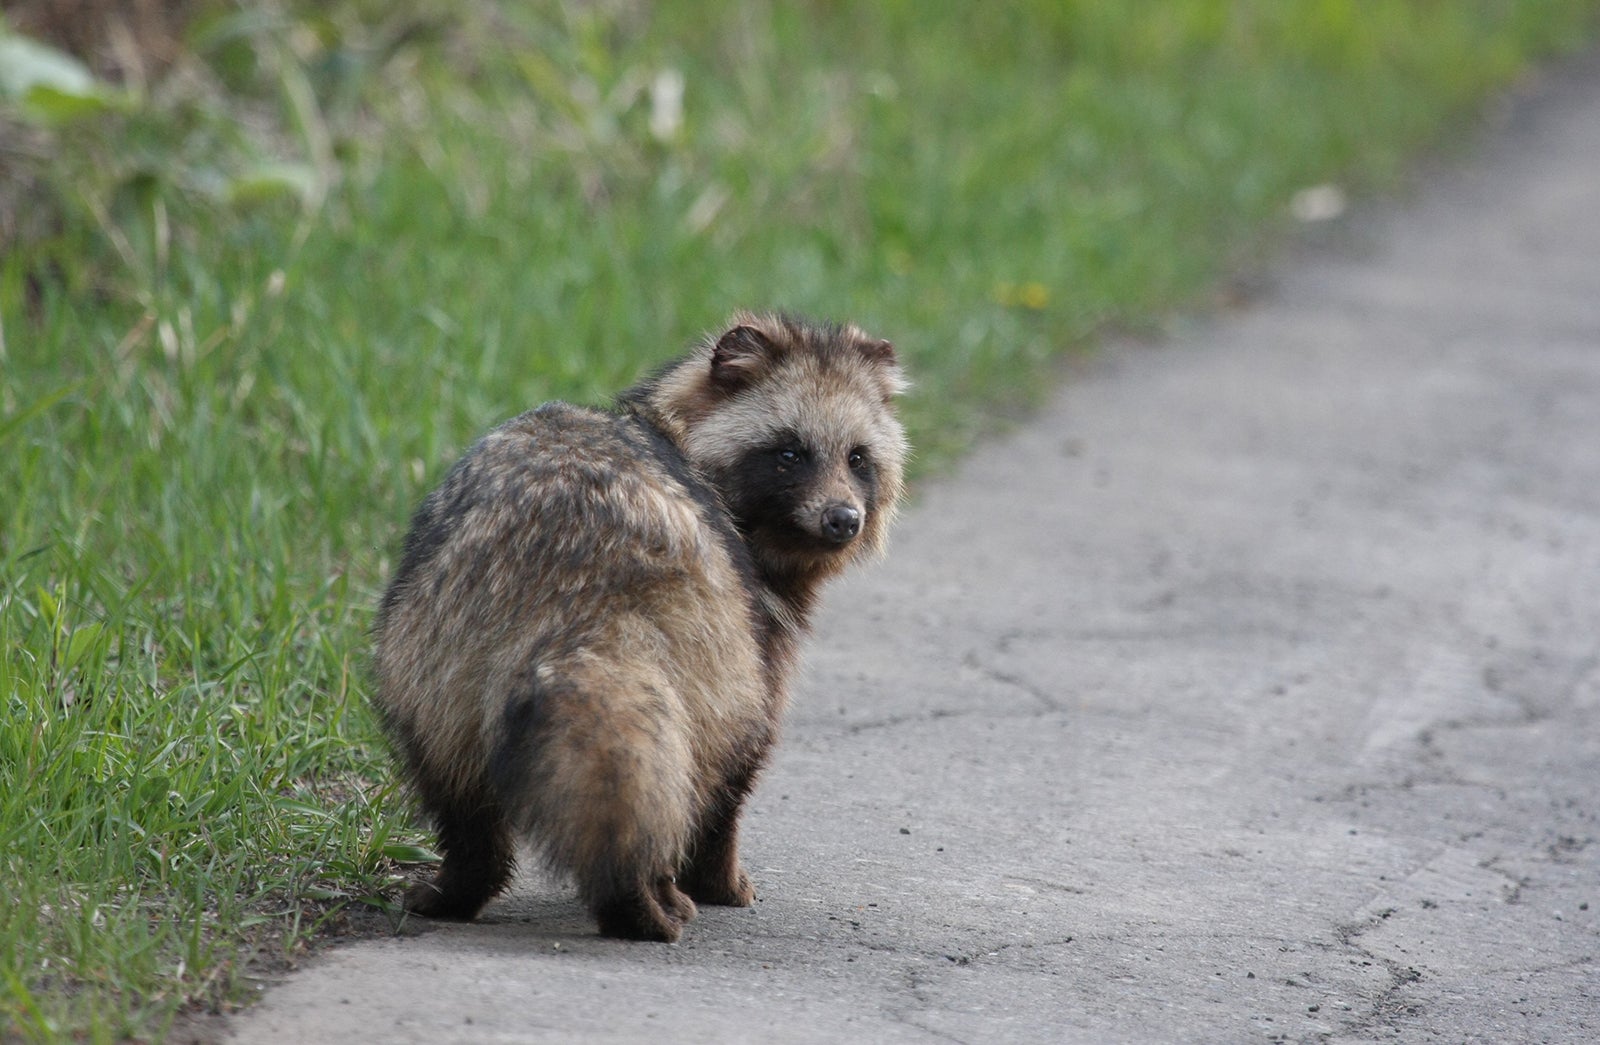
{"points": [[569, 612], [587, 641]]}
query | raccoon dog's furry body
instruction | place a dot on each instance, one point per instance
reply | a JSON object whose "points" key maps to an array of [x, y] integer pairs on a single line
{"points": [[590, 634]]}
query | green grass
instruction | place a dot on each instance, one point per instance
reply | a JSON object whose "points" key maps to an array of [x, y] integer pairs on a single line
{"points": [[217, 407]]}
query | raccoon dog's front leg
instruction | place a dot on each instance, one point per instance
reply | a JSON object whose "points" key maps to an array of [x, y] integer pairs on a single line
{"points": [[714, 874], [479, 859]]}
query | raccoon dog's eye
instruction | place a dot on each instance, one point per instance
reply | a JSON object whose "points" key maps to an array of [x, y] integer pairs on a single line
{"points": [[858, 458], [787, 457]]}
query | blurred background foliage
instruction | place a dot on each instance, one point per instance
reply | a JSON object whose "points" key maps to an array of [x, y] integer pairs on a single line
{"points": [[266, 267], [580, 186]]}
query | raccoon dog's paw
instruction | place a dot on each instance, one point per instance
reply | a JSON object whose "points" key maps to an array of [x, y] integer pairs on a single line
{"points": [[478, 862], [675, 902], [657, 914], [432, 900], [728, 890]]}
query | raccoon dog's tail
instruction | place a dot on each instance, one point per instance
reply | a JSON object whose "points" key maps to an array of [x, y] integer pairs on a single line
{"points": [[594, 761]]}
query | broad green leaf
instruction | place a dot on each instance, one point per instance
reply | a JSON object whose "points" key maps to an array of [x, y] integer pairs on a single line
{"points": [[317, 892], [82, 644], [51, 105], [51, 86], [272, 180], [410, 854], [27, 64]]}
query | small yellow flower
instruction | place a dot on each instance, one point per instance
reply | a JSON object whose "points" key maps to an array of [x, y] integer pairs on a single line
{"points": [[1031, 295]]}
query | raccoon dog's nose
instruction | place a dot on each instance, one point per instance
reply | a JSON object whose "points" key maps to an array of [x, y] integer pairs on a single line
{"points": [[840, 523]]}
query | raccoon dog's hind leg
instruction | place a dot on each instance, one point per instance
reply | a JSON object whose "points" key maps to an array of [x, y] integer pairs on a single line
{"points": [[474, 832], [594, 760]]}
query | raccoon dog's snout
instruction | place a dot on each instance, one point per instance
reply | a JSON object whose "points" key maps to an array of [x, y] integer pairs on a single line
{"points": [[840, 523]]}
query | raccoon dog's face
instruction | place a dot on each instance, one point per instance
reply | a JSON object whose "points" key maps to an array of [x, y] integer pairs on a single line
{"points": [[794, 425]]}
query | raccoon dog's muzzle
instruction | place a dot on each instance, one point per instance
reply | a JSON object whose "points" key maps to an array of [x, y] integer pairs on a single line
{"points": [[840, 523]]}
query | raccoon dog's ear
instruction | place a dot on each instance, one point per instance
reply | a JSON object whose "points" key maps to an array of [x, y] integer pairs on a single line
{"points": [[879, 351], [881, 354], [738, 357]]}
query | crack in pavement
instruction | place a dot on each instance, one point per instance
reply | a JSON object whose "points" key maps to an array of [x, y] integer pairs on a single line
{"points": [[1386, 1010]]}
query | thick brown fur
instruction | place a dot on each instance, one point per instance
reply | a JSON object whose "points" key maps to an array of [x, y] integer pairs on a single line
{"points": [[589, 639]]}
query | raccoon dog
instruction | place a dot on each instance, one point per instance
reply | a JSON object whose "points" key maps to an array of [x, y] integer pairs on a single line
{"points": [[589, 638]]}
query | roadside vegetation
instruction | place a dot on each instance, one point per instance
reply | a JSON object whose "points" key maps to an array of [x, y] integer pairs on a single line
{"points": [[267, 267]]}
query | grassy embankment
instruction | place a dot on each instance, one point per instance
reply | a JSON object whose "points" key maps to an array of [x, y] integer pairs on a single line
{"points": [[222, 387]]}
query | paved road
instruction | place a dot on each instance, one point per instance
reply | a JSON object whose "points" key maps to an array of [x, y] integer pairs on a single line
{"points": [[1250, 693]]}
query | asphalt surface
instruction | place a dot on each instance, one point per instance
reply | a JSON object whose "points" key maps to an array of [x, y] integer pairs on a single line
{"points": [[1251, 692]]}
